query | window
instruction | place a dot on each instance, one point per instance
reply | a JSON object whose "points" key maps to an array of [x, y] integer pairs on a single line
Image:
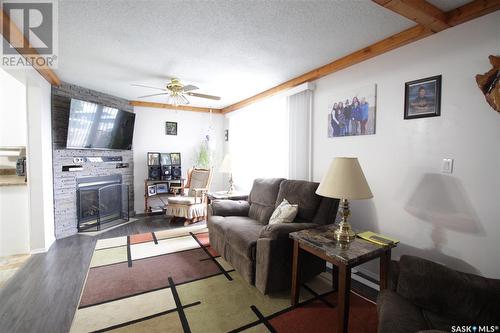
{"points": [[258, 142]]}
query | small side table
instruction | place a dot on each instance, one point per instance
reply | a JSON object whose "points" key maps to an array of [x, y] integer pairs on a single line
{"points": [[223, 195], [315, 241]]}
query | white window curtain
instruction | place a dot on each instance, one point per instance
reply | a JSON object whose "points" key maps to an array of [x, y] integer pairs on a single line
{"points": [[299, 107], [258, 142]]}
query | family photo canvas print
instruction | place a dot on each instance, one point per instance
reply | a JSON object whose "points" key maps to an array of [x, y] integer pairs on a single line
{"points": [[353, 112], [423, 98]]}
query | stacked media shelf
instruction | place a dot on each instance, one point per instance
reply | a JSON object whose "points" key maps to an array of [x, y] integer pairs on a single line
{"points": [[164, 180], [154, 201]]}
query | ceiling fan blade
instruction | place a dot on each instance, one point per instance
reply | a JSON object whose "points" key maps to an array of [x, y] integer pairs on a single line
{"points": [[203, 96], [190, 87], [185, 99], [153, 95], [143, 86]]}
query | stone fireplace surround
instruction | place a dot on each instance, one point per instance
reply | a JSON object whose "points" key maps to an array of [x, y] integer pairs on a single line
{"points": [[65, 206]]}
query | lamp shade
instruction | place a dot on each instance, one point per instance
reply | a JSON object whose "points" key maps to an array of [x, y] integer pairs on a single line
{"points": [[345, 180], [226, 165]]}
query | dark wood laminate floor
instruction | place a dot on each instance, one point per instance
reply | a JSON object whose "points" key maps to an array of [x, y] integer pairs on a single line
{"points": [[44, 293]]}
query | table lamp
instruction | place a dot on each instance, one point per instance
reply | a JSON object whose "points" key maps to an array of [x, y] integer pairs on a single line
{"points": [[345, 181], [226, 167]]}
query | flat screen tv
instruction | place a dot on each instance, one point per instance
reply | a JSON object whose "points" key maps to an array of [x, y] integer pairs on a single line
{"points": [[95, 126]]}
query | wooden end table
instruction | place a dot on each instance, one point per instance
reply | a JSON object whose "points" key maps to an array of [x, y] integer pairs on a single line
{"points": [[320, 242]]}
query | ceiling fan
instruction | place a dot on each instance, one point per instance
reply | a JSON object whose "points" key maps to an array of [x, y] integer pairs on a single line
{"points": [[176, 92]]}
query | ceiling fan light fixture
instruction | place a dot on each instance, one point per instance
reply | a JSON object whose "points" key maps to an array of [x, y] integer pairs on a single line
{"points": [[177, 99], [176, 92]]}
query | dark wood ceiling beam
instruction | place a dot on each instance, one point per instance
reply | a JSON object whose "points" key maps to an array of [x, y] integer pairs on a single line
{"points": [[471, 11], [419, 11]]}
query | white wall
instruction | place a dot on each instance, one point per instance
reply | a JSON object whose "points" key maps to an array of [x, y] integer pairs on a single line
{"points": [[12, 110], [149, 136], [30, 218], [14, 217], [14, 200], [39, 161], [453, 219]]}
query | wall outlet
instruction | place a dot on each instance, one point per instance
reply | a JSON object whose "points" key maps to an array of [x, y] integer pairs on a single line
{"points": [[447, 165]]}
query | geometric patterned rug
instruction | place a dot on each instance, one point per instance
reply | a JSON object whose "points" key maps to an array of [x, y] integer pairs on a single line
{"points": [[173, 281]]}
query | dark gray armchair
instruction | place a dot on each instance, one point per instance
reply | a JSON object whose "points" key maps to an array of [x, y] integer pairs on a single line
{"points": [[262, 253], [424, 295]]}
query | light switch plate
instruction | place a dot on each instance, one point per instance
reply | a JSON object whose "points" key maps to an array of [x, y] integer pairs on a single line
{"points": [[447, 166]]}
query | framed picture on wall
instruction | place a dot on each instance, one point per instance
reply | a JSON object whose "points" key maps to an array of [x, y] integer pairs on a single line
{"points": [[353, 112], [170, 128], [423, 98]]}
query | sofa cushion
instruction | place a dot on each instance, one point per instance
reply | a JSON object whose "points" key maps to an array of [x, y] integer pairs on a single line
{"points": [[302, 193], [398, 315], [447, 292], [262, 199], [241, 235], [230, 207], [217, 224]]}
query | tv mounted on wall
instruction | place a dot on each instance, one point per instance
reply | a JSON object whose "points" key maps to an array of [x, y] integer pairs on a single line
{"points": [[95, 126]]}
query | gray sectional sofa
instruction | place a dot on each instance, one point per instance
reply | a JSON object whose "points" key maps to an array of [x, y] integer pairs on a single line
{"points": [[262, 253]]}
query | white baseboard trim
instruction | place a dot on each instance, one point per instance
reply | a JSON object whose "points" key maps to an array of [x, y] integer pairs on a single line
{"points": [[37, 251], [364, 281]]}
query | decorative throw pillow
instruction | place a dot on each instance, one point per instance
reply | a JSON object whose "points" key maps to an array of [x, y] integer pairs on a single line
{"points": [[284, 213]]}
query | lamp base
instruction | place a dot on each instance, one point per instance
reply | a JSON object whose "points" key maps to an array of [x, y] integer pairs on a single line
{"points": [[344, 232], [231, 185]]}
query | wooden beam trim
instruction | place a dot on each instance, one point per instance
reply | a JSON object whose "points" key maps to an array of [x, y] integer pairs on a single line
{"points": [[419, 11], [471, 11], [385, 45], [173, 107], [17, 37]]}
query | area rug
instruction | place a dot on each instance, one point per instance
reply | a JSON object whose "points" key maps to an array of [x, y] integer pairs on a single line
{"points": [[173, 281]]}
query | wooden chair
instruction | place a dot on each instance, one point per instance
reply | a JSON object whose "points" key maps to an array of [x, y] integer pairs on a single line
{"points": [[191, 204]]}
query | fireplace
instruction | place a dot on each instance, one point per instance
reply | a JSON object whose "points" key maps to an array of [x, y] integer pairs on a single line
{"points": [[101, 202]]}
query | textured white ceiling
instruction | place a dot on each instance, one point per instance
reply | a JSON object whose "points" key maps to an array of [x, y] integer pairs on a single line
{"points": [[447, 5], [233, 49]]}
